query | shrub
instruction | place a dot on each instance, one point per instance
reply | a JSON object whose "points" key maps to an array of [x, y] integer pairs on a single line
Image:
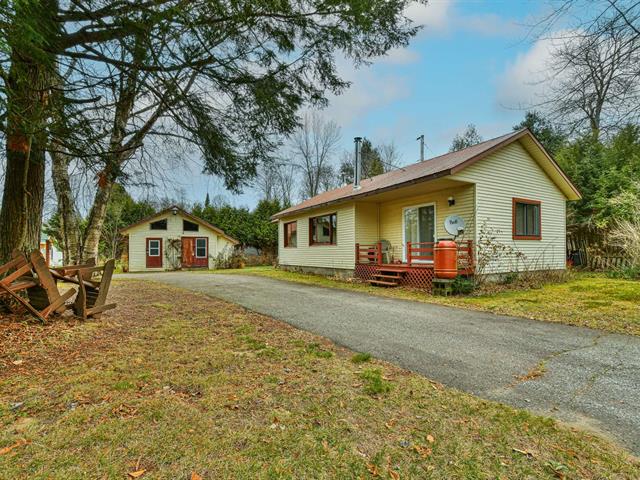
{"points": [[361, 357], [374, 384], [226, 260], [626, 235], [627, 273], [462, 286]]}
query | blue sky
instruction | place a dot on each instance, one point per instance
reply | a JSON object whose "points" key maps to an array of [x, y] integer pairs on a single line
{"points": [[473, 62]]}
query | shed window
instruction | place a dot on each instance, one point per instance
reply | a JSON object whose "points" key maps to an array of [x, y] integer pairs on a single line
{"points": [[527, 219], [323, 230], [159, 224], [291, 234], [201, 247], [188, 226]]}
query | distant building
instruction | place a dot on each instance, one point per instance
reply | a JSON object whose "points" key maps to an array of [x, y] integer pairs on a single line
{"points": [[51, 254]]}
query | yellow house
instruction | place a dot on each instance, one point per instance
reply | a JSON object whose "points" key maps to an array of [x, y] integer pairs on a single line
{"points": [[503, 199], [174, 239]]}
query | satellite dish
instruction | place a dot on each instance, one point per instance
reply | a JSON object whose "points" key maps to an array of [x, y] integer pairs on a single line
{"points": [[454, 225]]}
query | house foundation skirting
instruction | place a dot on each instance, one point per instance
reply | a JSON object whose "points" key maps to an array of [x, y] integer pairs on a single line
{"points": [[341, 273], [414, 276]]}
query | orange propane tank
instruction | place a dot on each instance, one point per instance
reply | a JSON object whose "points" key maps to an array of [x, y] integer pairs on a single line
{"points": [[446, 259]]}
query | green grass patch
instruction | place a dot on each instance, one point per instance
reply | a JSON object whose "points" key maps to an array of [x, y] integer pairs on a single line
{"points": [[374, 384], [361, 357], [316, 350]]}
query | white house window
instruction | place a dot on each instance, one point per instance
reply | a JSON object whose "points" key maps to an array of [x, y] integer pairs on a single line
{"points": [[201, 247], [527, 219], [154, 248]]}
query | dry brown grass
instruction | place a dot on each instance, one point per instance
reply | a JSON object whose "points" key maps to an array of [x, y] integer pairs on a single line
{"points": [[173, 382]]}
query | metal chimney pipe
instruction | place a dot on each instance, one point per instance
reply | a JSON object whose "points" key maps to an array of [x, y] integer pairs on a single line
{"points": [[357, 167]]}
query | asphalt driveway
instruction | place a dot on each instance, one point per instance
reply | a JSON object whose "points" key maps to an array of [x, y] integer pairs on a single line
{"points": [[590, 378]]}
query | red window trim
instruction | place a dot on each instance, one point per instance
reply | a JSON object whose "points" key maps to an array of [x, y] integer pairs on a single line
{"points": [[332, 233], [515, 201], [286, 238]]}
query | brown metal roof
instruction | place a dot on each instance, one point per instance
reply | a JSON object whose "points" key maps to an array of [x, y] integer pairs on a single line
{"points": [[430, 169], [186, 214]]}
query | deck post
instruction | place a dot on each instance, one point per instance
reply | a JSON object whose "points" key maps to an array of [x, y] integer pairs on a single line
{"points": [[357, 253], [379, 248], [409, 253]]}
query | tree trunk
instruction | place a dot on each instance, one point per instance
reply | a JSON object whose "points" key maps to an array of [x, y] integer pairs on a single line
{"points": [[27, 91], [35, 198], [97, 217], [69, 219], [13, 216]]}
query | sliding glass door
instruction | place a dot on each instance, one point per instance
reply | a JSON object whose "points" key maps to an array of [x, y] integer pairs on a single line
{"points": [[419, 225]]}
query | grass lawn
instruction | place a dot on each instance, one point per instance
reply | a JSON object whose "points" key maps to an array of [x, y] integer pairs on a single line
{"points": [[177, 385], [587, 299]]}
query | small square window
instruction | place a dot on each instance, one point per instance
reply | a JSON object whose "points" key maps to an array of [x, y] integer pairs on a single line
{"points": [[323, 230]]}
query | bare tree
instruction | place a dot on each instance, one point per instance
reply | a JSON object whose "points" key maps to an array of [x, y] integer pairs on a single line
{"points": [[597, 83], [287, 176], [266, 181], [389, 155], [594, 76], [313, 146]]}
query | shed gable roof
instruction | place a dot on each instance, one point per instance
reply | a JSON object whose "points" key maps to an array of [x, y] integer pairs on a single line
{"points": [[436, 167], [184, 214]]}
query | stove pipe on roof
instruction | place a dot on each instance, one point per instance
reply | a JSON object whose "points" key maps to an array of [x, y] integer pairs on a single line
{"points": [[357, 168]]}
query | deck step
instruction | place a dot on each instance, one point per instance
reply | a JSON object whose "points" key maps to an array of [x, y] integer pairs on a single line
{"points": [[383, 283], [392, 270], [382, 275]]}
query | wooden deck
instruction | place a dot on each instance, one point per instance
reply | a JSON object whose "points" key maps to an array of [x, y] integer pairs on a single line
{"points": [[417, 272]]}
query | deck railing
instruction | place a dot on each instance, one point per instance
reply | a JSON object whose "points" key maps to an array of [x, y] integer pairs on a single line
{"points": [[416, 253], [369, 253]]}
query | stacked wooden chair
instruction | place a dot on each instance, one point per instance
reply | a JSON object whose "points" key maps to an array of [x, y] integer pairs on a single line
{"points": [[92, 294], [43, 298]]}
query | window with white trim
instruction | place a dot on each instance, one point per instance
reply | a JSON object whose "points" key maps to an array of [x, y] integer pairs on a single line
{"points": [[154, 248], [201, 247]]}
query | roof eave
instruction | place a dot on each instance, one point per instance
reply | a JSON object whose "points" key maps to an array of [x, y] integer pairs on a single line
{"points": [[433, 176]]}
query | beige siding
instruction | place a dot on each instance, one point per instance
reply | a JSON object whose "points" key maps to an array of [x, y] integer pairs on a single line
{"points": [[367, 231], [341, 255], [139, 234], [508, 173], [391, 215]]}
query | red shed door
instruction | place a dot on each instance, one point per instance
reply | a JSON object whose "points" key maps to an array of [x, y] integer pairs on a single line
{"points": [[195, 252], [154, 253]]}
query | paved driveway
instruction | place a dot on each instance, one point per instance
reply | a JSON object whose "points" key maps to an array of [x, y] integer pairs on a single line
{"points": [[591, 379]]}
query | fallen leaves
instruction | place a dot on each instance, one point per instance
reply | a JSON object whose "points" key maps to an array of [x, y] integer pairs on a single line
{"points": [[19, 443], [373, 469], [195, 476], [430, 439], [424, 452], [527, 453], [137, 473]]}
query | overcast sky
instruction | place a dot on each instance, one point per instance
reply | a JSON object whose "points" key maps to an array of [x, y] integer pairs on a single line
{"points": [[474, 62]]}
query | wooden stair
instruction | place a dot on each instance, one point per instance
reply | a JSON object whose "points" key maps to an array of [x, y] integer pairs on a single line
{"points": [[387, 277]]}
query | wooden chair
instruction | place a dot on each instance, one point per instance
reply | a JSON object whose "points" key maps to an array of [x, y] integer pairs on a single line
{"points": [[92, 297], [46, 294], [92, 294]]}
